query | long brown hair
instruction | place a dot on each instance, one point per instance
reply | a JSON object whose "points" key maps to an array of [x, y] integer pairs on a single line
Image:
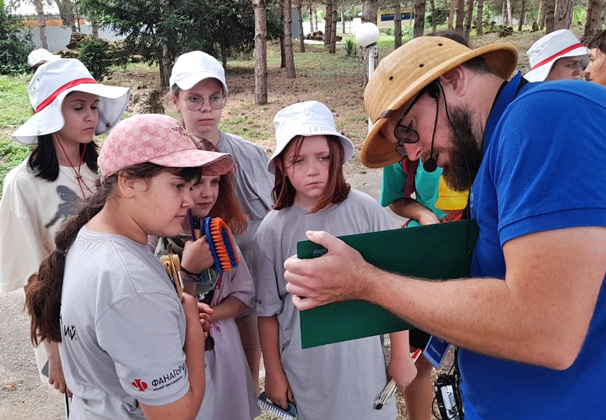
{"points": [[227, 205], [336, 189], [43, 290]]}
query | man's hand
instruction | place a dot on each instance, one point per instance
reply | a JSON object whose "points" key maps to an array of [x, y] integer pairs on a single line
{"points": [[340, 274]]}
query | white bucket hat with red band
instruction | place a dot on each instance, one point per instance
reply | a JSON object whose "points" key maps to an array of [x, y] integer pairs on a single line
{"points": [[40, 55], [51, 83], [311, 118], [547, 50]]}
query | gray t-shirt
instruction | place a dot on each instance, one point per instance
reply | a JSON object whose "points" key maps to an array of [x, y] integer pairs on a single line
{"points": [[123, 329], [336, 381], [253, 185]]}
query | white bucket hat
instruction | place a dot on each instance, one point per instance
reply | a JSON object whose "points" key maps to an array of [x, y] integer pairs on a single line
{"points": [[37, 56], [547, 50], [311, 118], [52, 82], [193, 67]]}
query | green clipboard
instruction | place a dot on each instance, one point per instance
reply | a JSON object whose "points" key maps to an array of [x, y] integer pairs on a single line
{"points": [[441, 251]]}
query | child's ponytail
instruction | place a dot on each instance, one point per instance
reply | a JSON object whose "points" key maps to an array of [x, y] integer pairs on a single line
{"points": [[43, 290]]}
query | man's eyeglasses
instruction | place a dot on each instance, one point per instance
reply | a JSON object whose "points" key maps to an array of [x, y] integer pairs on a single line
{"points": [[403, 133], [195, 103]]}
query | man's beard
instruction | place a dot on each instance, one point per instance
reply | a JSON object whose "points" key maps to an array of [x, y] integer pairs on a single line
{"points": [[466, 152]]}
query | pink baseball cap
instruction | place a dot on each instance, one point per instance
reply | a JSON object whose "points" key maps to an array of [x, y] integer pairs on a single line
{"points": [[157, 139]]}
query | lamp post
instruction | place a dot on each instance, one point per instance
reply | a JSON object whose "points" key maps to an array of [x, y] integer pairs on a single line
{"points": [[367, 36]]}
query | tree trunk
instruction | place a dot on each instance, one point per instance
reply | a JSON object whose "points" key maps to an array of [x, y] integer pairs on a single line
{"points": [[342, 19], [522, 13], [480, 18], [290, 58], [66, 12], [509, 15], [41, 23], [328, 23], [453, 5], [260, 10], [433, 15], [369, 14], [460, 16], [563, 17], [419, 18], [94, 27], [503, 14], [397, 25], [468, 18], [540, 15], [311, 18], [595, 19], [549, 16], [301, 34], [333, 29]]}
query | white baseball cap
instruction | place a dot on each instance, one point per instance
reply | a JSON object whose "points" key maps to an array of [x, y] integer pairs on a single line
{"points": [[193, 67], [543, 54], [311, 118], [51, 83], [38, 56]]}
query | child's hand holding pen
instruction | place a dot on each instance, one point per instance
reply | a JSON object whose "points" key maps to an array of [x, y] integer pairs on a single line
{"points": [[390, 388]]}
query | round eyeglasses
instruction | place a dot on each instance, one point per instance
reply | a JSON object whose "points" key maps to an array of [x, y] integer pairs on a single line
{"points": [[195, 103]]}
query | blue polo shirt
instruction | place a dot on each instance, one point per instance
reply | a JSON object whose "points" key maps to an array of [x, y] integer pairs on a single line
{"points": [[544, 168]]}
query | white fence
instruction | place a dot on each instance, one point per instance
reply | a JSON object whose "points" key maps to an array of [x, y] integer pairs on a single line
{"points": [[58, 36]]}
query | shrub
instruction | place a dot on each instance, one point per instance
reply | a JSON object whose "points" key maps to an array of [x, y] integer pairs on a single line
{"points": [[14, 46], [94, 55], [351, 48]]}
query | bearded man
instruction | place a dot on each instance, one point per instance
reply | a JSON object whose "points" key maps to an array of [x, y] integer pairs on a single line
{"points": [[530, 322]]}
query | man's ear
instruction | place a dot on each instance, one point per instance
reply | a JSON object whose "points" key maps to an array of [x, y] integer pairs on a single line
{"points": [[456, 80]]}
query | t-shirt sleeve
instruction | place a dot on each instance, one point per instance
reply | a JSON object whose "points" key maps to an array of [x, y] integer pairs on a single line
{"points": [[393, 184], [242, 286], [141, 334], [268, 301], [547, 164]]}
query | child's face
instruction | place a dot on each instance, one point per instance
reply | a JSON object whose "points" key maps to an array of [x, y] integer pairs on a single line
{"points": [[163, 202], [308, 172], [203, 121], [81, 115], [205, 195]]}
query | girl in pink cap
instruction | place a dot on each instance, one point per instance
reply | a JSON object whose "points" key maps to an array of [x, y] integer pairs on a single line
{"points": [[229, 385], [131, 349], [43, 191]]}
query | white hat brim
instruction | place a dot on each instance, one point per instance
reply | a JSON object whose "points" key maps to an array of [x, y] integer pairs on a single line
{"points": [[113, 101], [541, 73], [348, 147]]}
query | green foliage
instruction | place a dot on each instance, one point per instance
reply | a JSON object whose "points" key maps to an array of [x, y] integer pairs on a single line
{"points": [[14, 47], [441, 16], [15, 108], [579, 16], [351, 48], [389, 31], [11, 154], [94, 55]]}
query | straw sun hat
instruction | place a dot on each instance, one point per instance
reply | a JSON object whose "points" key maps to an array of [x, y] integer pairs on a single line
{"points": [[410, 68]]}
